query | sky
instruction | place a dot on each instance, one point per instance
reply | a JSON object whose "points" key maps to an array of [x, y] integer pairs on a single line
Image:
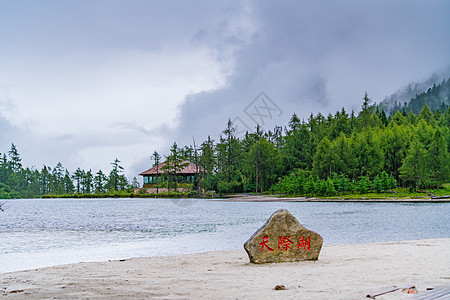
{"points": [[84, 82]]}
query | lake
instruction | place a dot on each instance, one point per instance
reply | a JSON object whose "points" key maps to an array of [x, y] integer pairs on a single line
{"points": [[43, 232]]}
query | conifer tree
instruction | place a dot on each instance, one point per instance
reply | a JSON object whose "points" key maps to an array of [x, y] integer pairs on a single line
{"points": [[67, 183], [413, 168], [174, 163], [438, 160], [100, 181], [157, 160], [78, 177], [115, 180]]}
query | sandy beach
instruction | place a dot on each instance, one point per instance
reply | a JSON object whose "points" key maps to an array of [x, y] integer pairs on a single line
{"points": [[342, 272]]}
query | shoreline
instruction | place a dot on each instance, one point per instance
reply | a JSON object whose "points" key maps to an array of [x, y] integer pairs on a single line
{"points": [[257, 198], [267, 198], [342, 272]]}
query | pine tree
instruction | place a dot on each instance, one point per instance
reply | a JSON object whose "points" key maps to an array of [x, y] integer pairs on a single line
{"points": [[368, 152], [413, 169], [157, 160], [67, 183], [87, 182], [57, 176], [394, 143], [438, 160], [45, 180], [135, 183], [115, 181], [174, 163], [324, 160], [78, 177], [298, 149], [14, 159], [232, 152], [262, 161], [100, 181]]}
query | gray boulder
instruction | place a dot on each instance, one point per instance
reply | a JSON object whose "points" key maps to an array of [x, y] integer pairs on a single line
{"points": [[283, 239]]}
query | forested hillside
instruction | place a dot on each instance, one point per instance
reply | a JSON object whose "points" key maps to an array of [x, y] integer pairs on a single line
{"points": [[324, 155], [436, 97], [333, 154], [402, 98]]}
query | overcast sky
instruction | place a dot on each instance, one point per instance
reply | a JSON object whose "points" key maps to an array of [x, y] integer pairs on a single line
{"points": [[84, 82]]}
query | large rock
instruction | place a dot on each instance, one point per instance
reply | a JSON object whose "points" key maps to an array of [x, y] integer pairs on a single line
{"points": [[283, 239]]}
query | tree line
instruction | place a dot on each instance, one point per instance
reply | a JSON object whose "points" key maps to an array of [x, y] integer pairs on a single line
{"points": [[19, 182]]}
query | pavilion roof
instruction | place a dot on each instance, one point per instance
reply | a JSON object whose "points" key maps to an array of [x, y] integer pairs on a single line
{"points": [[190, 169]]}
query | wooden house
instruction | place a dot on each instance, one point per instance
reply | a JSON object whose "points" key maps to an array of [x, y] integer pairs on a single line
{"points": [[187, 174]]}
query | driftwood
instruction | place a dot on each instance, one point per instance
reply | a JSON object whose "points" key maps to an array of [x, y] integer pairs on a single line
{"points": [[441, 197], [433, 196]]}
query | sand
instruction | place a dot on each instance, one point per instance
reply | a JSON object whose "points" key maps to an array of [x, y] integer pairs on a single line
{"points": [[342, 272]]}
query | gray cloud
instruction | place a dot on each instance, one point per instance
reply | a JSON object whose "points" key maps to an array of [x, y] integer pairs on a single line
{"points": [[133, 127], [6, 132], [321, 56]]}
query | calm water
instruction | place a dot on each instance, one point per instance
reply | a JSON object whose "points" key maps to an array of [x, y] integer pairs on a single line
{"points": [[36, 233]]}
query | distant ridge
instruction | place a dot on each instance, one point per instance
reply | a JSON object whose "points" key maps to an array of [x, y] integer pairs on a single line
{"points": [[402, 98]]}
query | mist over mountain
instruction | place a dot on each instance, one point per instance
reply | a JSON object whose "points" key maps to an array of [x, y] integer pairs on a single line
{"points": [[403, 96]]}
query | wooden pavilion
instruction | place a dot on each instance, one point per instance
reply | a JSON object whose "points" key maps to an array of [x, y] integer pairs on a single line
{"points": [[187, 174]]}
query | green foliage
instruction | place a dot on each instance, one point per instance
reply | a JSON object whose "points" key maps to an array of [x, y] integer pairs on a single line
{"points": [[395, 144], [368, 153], [157, 160], [174, 164], [5, 191], [116, 180], [413, 169], [325, 159], [301, 183], [364, 185], [437, 160], [100, 181], [292, 184], [261, 163]]}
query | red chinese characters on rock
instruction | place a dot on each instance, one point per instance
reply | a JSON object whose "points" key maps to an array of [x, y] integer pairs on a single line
{"points": [[284, 243], [304, 243], [264, 244]]}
